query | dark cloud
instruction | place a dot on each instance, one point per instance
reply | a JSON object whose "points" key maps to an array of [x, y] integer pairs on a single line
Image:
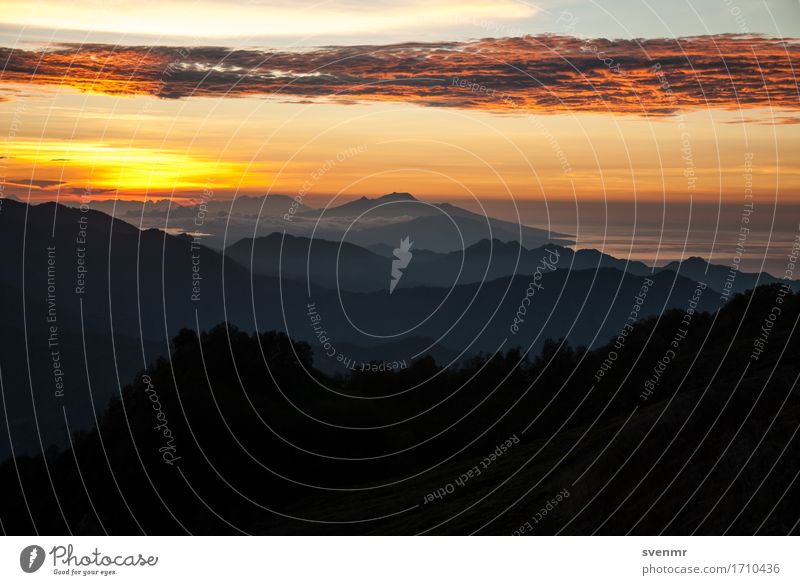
{"points": [[89, 191], [768, 121], [545, 73], [35, 183]]}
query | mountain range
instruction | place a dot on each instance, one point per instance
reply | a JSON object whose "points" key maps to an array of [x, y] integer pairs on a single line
{"points": [[355, 268], [366, 221], [117, 295]]}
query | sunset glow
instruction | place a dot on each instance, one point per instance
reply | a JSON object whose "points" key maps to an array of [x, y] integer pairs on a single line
{"points": [[540, 117], [125, 169]]}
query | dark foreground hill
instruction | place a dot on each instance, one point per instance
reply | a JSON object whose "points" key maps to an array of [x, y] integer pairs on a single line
{"points": [[687, 423]]}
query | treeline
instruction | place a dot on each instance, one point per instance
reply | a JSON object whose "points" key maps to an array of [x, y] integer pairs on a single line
{"points": [[239, 432]]}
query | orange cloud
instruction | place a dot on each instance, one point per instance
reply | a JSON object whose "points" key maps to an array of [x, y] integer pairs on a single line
{"points": [[541, 74]]}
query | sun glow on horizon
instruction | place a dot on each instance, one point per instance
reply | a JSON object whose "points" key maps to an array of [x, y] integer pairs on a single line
{"points": [[124, 168]]}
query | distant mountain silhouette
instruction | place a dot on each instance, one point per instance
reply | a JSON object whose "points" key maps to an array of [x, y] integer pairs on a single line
{"points": [[364, 269], [440, 227], [366, 220], [131, 211], [390, 206], [320, 262], [218, 222], [381, 249], [717, 276]]}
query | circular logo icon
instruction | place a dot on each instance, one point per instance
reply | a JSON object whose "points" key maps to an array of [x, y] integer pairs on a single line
{"points": [[31, 558]]}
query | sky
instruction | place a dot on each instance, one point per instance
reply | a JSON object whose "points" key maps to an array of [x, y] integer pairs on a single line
{"points": [[567, 104]]}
